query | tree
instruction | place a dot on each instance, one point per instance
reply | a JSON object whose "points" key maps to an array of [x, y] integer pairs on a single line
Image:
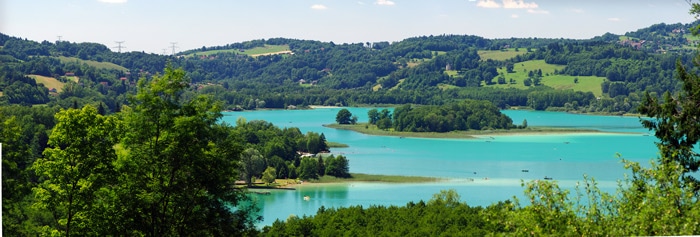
{"points": [[373, 115], [501, 79], [269, 175], [524, 123], [252, 164], [343, 117], [384, 123], [337, 166], [179, 166], [77, 171], [321, 167], [308, 168], [676, 123]]}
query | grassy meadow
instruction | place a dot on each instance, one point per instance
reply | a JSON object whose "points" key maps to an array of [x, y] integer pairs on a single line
{"points": [[560, 82], [257, 51], [500, 55], [49, 82], [96, 64]]}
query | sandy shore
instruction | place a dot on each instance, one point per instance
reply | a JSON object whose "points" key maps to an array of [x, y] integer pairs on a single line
{"points": [[322, 107]]}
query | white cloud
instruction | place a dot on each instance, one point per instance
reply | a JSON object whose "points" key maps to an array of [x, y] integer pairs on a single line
{"points": [[318, 7], [113, 1], [361, 3], [519, 4], [488, 4], [614, 19], [514, 16], [385, 2]]}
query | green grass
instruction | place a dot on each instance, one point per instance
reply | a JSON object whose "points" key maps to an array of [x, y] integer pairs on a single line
{"points": [[91, 63], [452, 73], [500, 55], [49, 82], [336, 145], [560, 82], [257, 51], [585, 83]]}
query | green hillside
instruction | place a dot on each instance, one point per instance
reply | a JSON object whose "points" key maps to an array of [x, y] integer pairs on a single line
{"points": [[257, 51], [96, 64]]}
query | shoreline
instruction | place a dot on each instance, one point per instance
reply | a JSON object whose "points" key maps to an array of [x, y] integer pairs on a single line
{"points": [[292, 184], [364, 128]]}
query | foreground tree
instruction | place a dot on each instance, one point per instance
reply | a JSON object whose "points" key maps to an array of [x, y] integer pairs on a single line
{"points": [[178, 166], [77, 171]]}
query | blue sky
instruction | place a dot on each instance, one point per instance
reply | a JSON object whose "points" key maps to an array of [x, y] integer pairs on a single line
{"points": [[151, 25]]}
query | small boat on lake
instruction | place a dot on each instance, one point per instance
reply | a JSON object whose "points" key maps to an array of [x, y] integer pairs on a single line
{"points": [[525, 171], [548, 178]]}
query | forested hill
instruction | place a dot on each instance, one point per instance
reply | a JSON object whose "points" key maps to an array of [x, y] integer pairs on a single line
{"points": [[609, 73]]}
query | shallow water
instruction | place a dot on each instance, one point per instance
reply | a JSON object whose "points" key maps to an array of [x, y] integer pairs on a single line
{"points": [[494, 163]]}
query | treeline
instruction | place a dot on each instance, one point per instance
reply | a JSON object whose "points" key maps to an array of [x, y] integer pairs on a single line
{"points": [[443, 215]]}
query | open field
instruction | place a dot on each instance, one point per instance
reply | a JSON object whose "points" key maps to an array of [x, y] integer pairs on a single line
{"points": [[560, 82], [257, 51], [500, 55], [96, 64], [585, 83], [49, 82]]}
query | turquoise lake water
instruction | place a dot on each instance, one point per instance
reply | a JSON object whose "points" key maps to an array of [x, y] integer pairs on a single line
{"points": [[483, 171]]}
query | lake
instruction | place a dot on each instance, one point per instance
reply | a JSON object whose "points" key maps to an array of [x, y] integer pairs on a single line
{"points": [[483, 171]]}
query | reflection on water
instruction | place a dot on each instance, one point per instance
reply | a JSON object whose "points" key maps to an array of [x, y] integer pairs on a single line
{"points": [[482, 171]]}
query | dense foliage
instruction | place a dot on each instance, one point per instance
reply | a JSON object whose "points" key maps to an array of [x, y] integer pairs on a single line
{"points": [[460, 116]]}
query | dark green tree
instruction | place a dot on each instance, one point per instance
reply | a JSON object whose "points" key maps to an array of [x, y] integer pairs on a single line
{"points": [[179, 166], [373, 115], [252, 164], [676, 123], [77, 172], [308, 168], [343, 117]]}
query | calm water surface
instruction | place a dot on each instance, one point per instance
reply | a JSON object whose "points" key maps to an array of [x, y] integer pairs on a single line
{"points": [[483, 171]]}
